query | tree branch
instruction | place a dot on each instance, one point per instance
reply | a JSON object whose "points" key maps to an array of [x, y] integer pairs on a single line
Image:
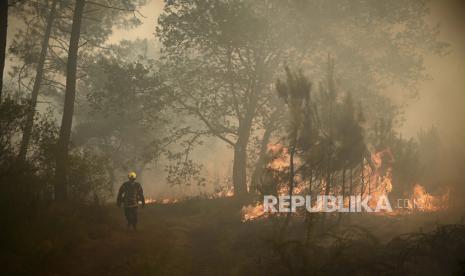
{"points": [[116, 8], [205, 121]]}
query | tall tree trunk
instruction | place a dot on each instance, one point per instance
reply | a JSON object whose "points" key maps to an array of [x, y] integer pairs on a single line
{"points": [[291, 169], [328, 180], [240, 169], [350, 184], [258, 168], [343, 181], [351, 181], [259, 165], [362, 178], [328, 183], [240, 156], [3, 35], [35, 89], [68, 108], [343, 192], [308, 215], [292, 150]]}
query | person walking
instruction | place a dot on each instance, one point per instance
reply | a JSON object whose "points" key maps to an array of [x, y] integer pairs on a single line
{"points": [[129, 196]]}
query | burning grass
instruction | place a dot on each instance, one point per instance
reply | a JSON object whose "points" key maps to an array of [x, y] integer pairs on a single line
{"points": [[375, 181]]}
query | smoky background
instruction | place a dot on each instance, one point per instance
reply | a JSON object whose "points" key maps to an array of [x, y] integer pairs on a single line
{"points": [[436, 102]]}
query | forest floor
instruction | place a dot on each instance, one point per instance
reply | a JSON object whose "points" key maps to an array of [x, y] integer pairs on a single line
{"points": [[196, 237], [174, 239]]}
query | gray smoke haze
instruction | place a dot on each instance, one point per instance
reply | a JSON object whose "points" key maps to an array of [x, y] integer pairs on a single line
{"points": [[440, 102], [441, 99]]}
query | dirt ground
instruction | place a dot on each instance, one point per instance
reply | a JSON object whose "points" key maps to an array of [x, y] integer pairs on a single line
{"points": [[197, 237]]}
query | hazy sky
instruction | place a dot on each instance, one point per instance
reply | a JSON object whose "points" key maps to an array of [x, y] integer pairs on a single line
{"points": [[151, 11], [442, 99]]}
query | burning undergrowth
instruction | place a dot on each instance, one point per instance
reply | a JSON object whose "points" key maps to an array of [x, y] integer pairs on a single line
{"points": [[373, 178], [222, 192]]}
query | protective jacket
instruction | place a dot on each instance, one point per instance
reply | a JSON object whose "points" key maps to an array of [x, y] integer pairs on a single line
{"points": [[129, 194]]}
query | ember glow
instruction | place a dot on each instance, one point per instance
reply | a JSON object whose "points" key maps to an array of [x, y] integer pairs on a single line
{"points": [[376, 183], [425, 202], [379, 184], [224, 192], [151, 200], [281, 159], [252, 212]]}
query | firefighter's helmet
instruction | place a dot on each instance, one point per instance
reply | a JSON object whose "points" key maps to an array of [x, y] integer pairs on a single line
{"points": [[132, 175]]}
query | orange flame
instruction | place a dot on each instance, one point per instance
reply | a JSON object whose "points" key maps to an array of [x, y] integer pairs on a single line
{"points": [[252, 212], [425, 202], [281, 158], [151, 200], [377, 183]]}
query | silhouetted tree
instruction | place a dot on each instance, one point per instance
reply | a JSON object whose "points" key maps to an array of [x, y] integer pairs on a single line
{"points": [[221, 66], [68, 107], [37, 82], [3, 36]]}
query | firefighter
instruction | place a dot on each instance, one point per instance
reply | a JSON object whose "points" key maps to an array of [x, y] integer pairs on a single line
{"points": [[129, 195]]}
